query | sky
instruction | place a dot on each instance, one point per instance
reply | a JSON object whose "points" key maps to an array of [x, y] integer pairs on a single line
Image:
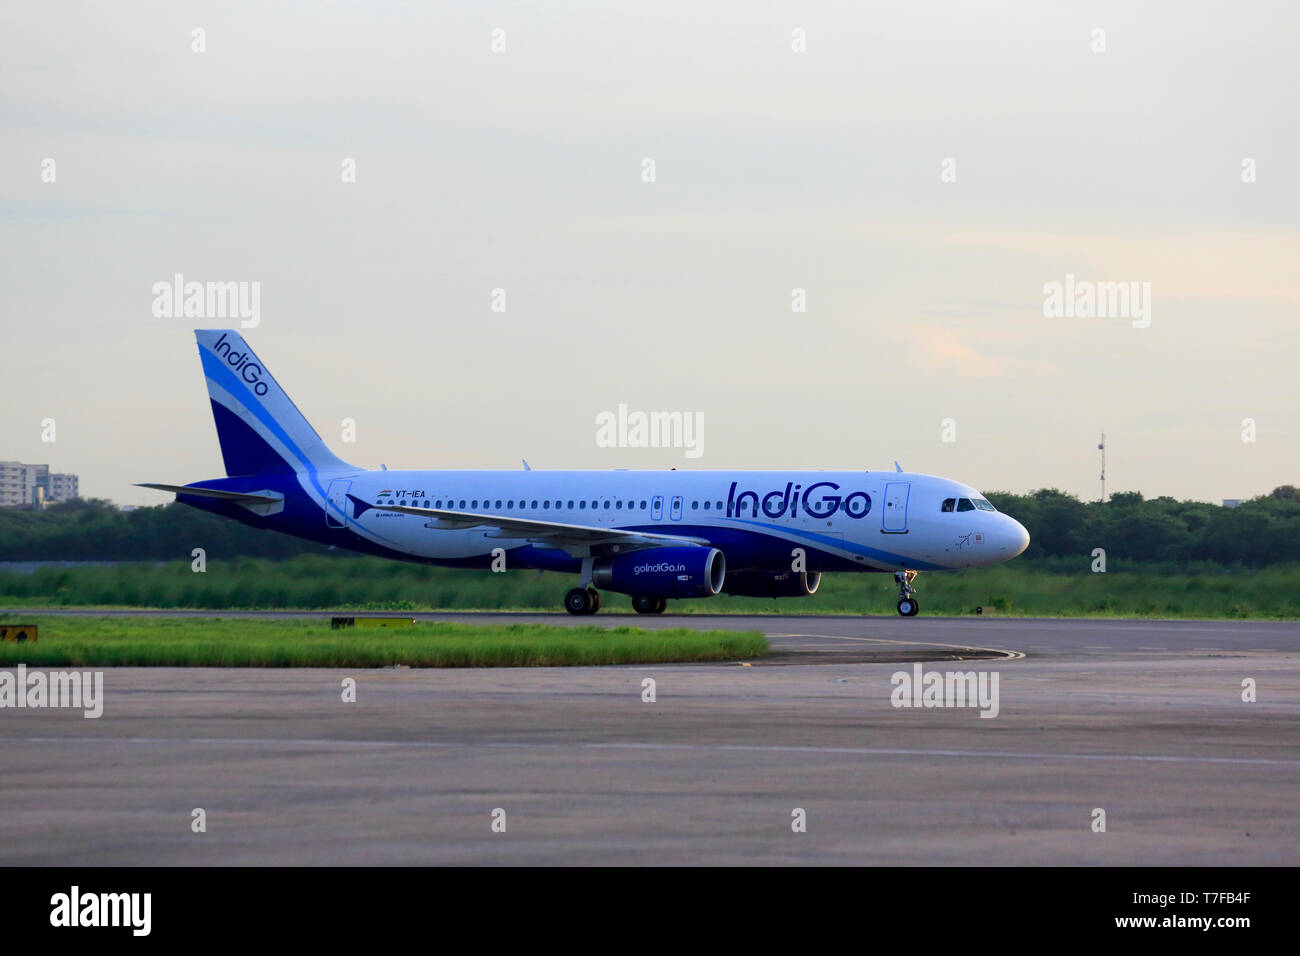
{"points": [[920, 171]]}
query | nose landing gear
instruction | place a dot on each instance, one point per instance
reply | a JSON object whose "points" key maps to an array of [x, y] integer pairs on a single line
{"points": [[907, 604]]}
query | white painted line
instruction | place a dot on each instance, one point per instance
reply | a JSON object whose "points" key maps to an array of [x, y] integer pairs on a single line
{"points": [[291, 743], [1009, 655]]}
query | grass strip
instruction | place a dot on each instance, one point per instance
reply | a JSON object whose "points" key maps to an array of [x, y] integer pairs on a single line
{"points": [[224, 642]]}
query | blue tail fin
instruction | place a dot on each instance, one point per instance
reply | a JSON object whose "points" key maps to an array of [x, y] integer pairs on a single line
{"points": [[259, 427]]}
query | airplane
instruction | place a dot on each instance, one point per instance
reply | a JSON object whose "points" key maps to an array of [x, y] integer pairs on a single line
{"points": [[652, 535]]}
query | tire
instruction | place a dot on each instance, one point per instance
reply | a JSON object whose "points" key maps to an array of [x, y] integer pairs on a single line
{"points": [[595, 600], [578, 601], [645, 605], [908, 607]]}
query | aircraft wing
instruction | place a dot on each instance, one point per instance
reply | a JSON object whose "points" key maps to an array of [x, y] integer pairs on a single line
{"points": [[574, 538]]}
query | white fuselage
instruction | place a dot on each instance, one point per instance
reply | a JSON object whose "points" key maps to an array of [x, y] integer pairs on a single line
{"points": [[869, 521]]}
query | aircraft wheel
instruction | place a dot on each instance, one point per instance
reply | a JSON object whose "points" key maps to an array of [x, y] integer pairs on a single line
{"points": [[595, 600], [649, 605], [908, 607], [579, 601]]}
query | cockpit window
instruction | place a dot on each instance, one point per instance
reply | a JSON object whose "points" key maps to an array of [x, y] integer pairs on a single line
{"points": [[983, 505], [948, 504], [964, 504]]}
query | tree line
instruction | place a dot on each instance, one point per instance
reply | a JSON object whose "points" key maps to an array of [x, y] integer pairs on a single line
{"points": [[97, 530], [1131, 529]]}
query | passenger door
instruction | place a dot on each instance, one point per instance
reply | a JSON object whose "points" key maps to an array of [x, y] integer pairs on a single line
{"points": [[893, 517]]}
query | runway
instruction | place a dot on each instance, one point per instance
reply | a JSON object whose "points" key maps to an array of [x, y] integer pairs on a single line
{"points": [[1141, 719]]}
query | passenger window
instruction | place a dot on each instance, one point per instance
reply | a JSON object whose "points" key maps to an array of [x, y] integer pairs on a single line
{"points": [[474, 503], [706, 505], [426, 504], [570, 505], [718, 506], [607, 505], [643, 505], [695, 505], [534, 504], [582, 504], [402, 502], [462, 502], [948, 504], [965, 505], [546, 504]]}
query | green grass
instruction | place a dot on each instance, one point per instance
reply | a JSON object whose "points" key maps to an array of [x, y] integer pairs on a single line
{"points": [[217, 642], [1052, 588]]}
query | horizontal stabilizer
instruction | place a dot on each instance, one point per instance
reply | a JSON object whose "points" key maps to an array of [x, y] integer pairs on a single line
{"points": [[261, 502]]}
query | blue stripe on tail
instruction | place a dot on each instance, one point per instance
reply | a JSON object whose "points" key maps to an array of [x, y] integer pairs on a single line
{"points": [[243, 450]]}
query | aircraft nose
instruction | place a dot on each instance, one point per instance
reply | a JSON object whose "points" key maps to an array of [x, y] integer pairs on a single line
{"points": [[1017, 538]]}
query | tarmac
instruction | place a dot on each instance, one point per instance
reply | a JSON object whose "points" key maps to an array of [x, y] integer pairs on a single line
{"points": [[802, 757]]}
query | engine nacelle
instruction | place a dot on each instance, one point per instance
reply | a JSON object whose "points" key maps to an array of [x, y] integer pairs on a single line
{"points": [[773, 584], [663, 572]]}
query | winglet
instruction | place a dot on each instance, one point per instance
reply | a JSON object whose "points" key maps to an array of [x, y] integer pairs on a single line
{"points": [[897, 467], [527, 467]]}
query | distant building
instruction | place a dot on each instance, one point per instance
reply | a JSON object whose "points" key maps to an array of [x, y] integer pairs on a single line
{"points": [[22, 484], [18, 482], [1231, 502], [62, 487]]}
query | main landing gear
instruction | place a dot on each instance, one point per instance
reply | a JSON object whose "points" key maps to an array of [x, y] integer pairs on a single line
{"points": [[587, 601], [649, 605], [907, 605], [582, 601]]}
